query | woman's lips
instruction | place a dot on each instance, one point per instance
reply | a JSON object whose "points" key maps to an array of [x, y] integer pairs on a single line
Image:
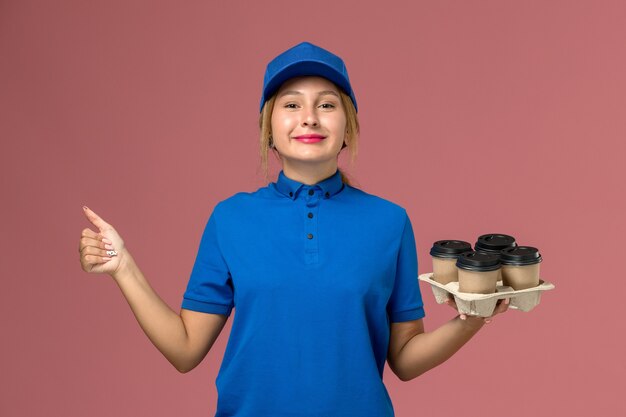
{"points": [[310, 138]]}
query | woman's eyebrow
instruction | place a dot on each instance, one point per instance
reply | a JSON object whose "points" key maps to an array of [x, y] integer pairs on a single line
{"points": [[321, 93]]}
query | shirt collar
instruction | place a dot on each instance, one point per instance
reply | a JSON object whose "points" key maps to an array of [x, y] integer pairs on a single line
{"points": [[290, 188]]}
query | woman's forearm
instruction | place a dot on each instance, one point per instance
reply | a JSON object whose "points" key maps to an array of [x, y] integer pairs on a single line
{"points": [[426, 350], [164, 327]]}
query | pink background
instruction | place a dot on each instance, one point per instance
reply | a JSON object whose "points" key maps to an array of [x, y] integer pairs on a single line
{"points": [[477, 117]]}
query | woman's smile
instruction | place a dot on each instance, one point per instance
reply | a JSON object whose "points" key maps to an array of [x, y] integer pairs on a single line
{"points": [[310, 138]]}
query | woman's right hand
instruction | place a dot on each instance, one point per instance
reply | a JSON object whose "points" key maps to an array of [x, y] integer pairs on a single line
{"points": [[94, 245]]}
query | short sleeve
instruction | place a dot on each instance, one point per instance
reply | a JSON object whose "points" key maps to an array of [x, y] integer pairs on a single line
{"points": [[405, 303], [210, 287]]}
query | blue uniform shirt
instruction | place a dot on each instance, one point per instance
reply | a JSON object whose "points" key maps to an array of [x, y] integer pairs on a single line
{"points": [[316, 273]]}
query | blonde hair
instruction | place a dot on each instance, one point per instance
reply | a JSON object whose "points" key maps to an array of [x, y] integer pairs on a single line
{"points": [[265, 125]]}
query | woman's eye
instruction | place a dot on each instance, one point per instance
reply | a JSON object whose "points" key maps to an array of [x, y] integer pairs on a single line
{"points": [[290, 106], [328, 105]]}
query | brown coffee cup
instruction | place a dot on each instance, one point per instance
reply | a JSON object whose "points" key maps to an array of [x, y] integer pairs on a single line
{"points": [[520, 267], [478, 272], [444, 255], [493, 243]]}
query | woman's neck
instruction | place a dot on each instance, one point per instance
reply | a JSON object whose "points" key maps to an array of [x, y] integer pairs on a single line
{"points": [[309, 173]]}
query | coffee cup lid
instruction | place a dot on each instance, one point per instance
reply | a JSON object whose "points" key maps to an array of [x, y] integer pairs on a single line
{"points": [[520, 256], [449, 248], [478, 261], [494, 242]]}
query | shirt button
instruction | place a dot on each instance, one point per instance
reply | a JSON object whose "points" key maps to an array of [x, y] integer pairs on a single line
{"points": [[310, 236], [290, 194], [327, 194], [310, 215], [311, 192]]}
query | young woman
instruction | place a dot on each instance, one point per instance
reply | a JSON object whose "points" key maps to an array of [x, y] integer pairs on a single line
{"points": [[323, 275]]}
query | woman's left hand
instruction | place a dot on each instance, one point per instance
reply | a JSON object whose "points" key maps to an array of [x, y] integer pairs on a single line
{"points": [[501, 306]]}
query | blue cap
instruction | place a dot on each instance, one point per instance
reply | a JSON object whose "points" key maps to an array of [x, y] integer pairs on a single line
{"points": [[305, 59]]}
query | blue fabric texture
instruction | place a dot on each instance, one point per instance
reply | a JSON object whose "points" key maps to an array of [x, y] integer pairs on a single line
{"points": [[316, 274]]}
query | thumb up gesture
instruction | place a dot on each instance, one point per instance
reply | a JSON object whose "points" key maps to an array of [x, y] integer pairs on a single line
{"points": [[93, 247]]}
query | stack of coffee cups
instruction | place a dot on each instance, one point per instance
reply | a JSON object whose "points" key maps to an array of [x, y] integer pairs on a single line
{"points": [[496, 257]]}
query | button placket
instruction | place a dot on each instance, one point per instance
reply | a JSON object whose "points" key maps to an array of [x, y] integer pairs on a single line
{"points": [[312, 197]]}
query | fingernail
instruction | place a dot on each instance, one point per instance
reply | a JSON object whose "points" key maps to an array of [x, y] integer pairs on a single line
{"points": [[106, 258], [108, 246], [463, 317], [84, 207], [507, 301], [487, 321], [105, 240]]}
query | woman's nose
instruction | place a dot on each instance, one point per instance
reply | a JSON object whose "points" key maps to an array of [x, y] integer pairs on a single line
{"points": [[309, 118]]}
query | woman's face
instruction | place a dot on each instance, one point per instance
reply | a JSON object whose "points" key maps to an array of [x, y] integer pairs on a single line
{"points": [[308, 122]]}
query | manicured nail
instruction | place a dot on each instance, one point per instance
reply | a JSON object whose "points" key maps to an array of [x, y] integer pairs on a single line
{"points": [[105, 240], [84, 207], [108, 246]]}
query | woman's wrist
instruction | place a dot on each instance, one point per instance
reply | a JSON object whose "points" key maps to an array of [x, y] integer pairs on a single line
{"points": [[471, 323], [126, 267]]}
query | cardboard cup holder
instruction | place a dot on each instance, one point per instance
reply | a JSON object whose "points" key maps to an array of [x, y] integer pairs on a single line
{"points": [[483, 304]]}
